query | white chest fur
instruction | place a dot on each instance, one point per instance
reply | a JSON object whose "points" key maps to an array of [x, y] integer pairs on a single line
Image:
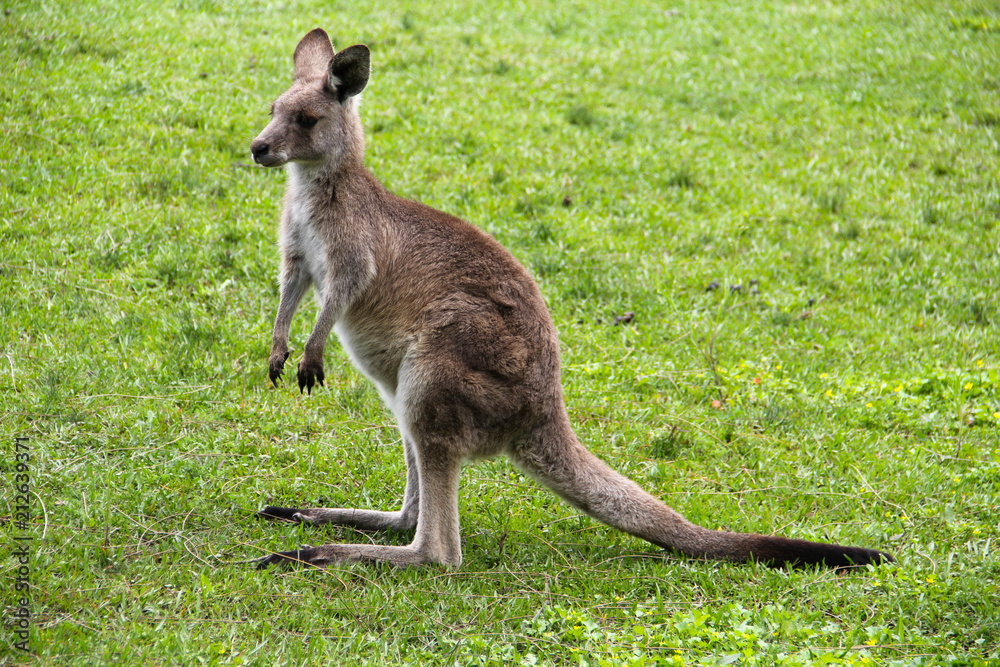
{"points": [[300, 240]]}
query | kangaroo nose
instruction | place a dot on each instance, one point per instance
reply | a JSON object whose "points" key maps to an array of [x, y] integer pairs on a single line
{"points": [[259, 149]]}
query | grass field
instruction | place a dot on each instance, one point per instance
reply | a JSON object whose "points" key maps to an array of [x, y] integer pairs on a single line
{"points": [[833, 168]]}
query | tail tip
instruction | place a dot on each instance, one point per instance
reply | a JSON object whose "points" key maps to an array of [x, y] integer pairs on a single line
{"points": [[853, 558]]}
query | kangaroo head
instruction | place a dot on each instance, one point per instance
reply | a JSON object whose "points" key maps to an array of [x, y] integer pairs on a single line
{"points": [[316, 120]]}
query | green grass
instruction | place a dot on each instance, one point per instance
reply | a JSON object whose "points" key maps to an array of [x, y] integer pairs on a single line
{"points": [[844, 156]]}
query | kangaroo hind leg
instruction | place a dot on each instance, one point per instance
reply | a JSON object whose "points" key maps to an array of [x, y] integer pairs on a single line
{"points": [[437, 528], [402, 520]]}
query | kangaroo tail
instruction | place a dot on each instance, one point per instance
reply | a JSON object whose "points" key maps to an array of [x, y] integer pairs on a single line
{"points": [[588, 484]]}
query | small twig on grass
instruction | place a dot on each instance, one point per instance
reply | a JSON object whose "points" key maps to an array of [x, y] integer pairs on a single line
{"points": [[187, 548], [119, 297], [63, 618], [159, 397], [45, 516], [10, 360], [595, 364]]}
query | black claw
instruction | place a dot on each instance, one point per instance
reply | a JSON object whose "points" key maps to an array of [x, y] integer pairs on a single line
{"points": [[295, 557], [309, 375], [306, 382], [276, 373], [274, 559], [272, 512]]}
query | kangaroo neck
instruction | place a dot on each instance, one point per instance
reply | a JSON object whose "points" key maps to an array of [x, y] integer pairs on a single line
{"points": [[310, 175], [328, 184]]}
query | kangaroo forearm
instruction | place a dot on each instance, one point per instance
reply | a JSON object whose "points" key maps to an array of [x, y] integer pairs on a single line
{"points": [[294, 283], [328, 316]]}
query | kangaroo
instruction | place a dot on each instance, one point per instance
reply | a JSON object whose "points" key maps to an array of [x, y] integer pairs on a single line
{"points": [[455, 334]]}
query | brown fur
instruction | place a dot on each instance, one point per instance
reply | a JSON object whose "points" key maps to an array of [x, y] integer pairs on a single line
{"points": [[454, 333]]}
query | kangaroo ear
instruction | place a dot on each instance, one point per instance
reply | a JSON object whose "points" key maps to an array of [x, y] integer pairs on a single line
{"points": [[349, 71], [312, 55]]}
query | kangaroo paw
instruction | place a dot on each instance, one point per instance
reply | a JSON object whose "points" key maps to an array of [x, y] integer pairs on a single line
{"points": [[310, 374], [281, 513], [304, 555], [276, 367]]}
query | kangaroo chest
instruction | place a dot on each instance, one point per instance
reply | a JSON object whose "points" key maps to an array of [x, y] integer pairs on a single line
{"points": [[302, 242], [331, 266]]}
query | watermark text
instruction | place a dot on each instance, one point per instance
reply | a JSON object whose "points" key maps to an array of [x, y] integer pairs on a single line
{"points": [[20, 615]]}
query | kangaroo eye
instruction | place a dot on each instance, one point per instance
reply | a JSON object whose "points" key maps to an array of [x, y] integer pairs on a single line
{"points": [[305, 121]]}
